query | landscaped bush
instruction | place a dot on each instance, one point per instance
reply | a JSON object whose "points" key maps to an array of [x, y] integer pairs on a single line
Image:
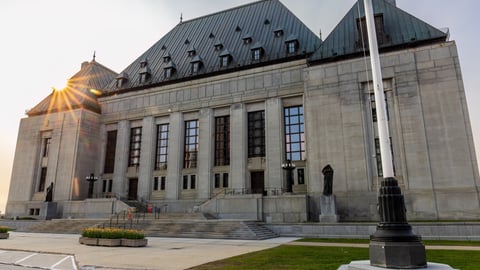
{"points": [[113, 233], [4, 229]]}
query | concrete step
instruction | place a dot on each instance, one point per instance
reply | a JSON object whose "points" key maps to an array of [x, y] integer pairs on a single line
{"points": [[64, 225]]}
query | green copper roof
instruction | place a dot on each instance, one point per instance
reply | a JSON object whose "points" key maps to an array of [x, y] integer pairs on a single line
{"points": [[400, 29], [237, 31]]}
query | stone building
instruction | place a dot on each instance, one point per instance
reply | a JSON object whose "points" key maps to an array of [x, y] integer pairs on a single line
{"points": [[205, 119]]}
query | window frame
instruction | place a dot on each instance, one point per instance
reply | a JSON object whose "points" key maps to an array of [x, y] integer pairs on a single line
{"points": [[256, 134], [222, 141], [294, 127], [190, 157], [110, 152], [135, 147], [161, 157]]}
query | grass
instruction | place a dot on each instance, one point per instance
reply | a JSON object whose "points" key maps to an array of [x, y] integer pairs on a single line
{"points": [[366, 241], [326, 258]]}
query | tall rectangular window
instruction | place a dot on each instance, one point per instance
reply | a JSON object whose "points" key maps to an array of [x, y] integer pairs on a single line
{"points": [[162, 147], [378, 157], [109, 165], [135, 146], [256, 134], [185, 182], [294, 133], [46, 146], [191, 144], [222, 140], [43, 179], [301, 176], [107, 185]]}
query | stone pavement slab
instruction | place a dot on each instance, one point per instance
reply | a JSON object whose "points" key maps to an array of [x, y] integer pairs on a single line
{"points": [[160, 253]]}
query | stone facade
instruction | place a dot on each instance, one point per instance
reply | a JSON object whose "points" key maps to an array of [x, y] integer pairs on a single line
{"points": [[432, 144]]}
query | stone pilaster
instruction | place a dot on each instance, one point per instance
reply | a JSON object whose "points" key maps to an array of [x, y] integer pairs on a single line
{"points": [[121, 158], [274, 146], [238, 146], [175, 155], [205, 153], [146, 158]]}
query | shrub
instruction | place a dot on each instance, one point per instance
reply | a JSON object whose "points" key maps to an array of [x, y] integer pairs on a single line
{"points": [[112, 233], [4, 229]]}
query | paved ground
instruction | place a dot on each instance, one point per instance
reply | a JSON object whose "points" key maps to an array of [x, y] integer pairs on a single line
{"points": [[29, 251], [63, 252]]}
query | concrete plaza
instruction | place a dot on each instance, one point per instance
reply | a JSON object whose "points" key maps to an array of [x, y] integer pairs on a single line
{"points": [[63, 252]]}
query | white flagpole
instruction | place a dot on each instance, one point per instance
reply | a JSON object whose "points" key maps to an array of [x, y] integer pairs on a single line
{"points": [[382, 122]]}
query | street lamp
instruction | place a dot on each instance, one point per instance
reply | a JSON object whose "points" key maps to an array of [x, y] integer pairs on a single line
{"points": [[289, 166], [91, 180]]}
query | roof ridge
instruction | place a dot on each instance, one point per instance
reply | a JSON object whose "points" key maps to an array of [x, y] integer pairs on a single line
{"points": [[225, 10]]}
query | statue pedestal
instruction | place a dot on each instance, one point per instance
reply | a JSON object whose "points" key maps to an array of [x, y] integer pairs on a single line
{"points": [[48, 210], [328, 209]]}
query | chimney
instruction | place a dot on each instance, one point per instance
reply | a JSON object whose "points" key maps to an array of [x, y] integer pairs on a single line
{"points": [[84, 65]]}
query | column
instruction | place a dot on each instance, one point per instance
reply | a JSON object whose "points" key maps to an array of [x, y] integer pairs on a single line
{"points": [[238, 146], [274, 143], [175, 155], [147, 153], [205, 153], [121, 158]]}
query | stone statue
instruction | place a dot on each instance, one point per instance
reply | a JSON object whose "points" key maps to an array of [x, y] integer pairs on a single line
{"points": [[49, 196], [327, 180]]}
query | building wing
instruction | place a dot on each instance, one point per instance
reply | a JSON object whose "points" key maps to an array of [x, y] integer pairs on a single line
{"points": [[395, 29]]}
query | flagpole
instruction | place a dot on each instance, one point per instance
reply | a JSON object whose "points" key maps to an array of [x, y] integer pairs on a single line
{"points": [[393, 245]]}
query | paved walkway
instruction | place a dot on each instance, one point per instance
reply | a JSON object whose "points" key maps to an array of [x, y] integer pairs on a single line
{"points": [[63, 252]]}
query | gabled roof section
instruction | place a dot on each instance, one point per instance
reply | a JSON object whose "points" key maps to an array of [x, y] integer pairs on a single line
{"points": [[81, 91], [229, 27], [400, 30]]}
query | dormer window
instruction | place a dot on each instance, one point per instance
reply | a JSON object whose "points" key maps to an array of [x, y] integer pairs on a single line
{"points": [[225, 58], [169, 70], [196, 64], [382, 37], [278, 32], [191, 51], [121, 80], [257, 51], [218, 46], [291, 44], [167, 58], [144, 72], [247, 39]]}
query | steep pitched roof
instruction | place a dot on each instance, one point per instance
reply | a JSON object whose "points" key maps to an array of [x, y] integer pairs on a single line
{"points": [[81, 92], [400, 29], [206, 37]]}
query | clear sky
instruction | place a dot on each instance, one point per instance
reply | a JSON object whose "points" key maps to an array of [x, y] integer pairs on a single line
{"points": [[43, 43]]}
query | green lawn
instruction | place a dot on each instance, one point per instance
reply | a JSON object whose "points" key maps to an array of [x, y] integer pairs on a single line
{"points": [[325, 258], [366, 241]]}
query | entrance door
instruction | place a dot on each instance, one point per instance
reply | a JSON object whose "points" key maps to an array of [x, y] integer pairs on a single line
{"points": [[257, 182], [132, 188]]}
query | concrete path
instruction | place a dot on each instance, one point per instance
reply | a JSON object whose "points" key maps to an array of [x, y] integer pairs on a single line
{"points": [[63, 252]]}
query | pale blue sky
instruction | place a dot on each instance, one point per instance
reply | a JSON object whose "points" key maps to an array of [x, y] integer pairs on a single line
{"points": [[42, 44]]}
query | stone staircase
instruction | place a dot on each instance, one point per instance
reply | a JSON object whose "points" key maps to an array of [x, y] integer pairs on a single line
{"points": [[215, 229], [63, 226], [188, 225]]}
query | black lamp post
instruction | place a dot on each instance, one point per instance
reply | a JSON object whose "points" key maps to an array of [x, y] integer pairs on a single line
{"points": [[91, 180], [289, 166]]}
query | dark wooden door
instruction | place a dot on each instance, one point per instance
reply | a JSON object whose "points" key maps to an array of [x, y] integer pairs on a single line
{"points": [[258, 182], [132, 188]]}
